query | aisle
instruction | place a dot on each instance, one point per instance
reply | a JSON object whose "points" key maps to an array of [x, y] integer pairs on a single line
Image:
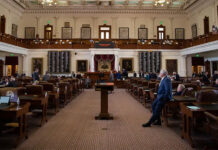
{"points": [[74, 127]]}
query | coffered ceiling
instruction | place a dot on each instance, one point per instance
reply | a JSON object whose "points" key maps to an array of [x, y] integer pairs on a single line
{"points": [[125, 4]]}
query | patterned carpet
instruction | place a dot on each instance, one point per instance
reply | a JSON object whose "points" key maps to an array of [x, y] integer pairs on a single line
{"points": [[74, 127]]}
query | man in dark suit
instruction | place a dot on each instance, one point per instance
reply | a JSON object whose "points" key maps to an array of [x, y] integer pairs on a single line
{"points": [[164, 95], [36, 75], [176, 76]]}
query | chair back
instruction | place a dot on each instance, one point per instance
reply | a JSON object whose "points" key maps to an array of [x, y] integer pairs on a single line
{"points": [[34, 89], [48, 86], [207, 96]]}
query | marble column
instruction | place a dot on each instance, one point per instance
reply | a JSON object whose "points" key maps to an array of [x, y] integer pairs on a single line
{"points": [[114, 28], [183, 68], [74, 27], [134, 32], [37, 27], [153, 26], [94, 28], [92, 63], [56, 32], [171, 25], [25, 65]]}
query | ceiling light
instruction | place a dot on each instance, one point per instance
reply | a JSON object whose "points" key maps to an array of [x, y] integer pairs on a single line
{"points": [[161, 2]]}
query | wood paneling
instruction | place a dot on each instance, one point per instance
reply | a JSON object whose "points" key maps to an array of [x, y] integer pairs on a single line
{"points": [[171, 65]]}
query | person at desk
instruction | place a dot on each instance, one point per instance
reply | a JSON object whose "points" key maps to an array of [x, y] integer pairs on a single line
{"points": [[179, 90], [176, 76], [12, 82], [134, 74], [164, 95], [216, 83], [215, 76], [46, 77], [111, 76], [36, 75], [101, 75], [205, 77], [88, 82]]}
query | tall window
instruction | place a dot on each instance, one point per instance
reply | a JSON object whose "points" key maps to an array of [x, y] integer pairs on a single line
{"points": [[48, 32], [161, 32], [105, 32]]}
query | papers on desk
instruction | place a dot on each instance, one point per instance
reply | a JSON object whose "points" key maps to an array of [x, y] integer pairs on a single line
{"points": [[193, 107]]}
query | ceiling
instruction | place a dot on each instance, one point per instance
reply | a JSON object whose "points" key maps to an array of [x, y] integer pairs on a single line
{"points": [[139, 4]]}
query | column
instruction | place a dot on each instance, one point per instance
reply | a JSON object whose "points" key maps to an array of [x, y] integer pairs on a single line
{"points": [[116, 62], [114, 28], [153, 26], [56, 33], [183, 68], [92, 63], [74, 27], [171, 25], [94, 29], [215, 13], [133, 30]]}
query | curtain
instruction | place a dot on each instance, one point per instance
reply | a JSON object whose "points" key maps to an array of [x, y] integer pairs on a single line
{"points": [[110, 58]]}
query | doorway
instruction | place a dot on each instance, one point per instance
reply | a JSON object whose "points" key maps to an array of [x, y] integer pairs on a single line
{"points": [[2, 24], [105, 32], [48, 32], [171, 65], [161, 31], [206, 25]]}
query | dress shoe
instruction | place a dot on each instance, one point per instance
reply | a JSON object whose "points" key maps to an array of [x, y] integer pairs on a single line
{"points": [[157, 123], [146, 125]]}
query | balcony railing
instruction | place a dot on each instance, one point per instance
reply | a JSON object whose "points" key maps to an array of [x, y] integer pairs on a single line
{"points": [[117, 43]]}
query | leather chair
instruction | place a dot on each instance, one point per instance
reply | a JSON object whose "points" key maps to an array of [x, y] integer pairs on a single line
{"points": [[65, 92], [207, 96], [35, 90]]}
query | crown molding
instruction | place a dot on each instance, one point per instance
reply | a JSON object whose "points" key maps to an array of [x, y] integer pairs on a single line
{"points": [[94, 10]]}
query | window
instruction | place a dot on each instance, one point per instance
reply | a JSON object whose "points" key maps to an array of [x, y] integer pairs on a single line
{"points": [[161, 32], [105, 32]]}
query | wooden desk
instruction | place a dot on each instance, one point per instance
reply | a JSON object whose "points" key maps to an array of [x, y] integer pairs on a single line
{"points": [[175, 102], [104, 88], [18, 113], [190, 111], [94, 76], [37, 102]]}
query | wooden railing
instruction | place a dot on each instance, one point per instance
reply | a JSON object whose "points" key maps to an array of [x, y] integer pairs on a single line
{"points": [[122, 44]]}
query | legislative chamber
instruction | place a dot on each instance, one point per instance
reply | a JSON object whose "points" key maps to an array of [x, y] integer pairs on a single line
{"points": [[109, 74]]}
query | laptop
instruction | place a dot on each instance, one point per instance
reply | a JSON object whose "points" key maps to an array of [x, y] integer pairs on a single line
{"points": [[4, 102]]}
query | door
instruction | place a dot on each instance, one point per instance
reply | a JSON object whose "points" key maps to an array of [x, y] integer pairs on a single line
{"points": [[48, 30], [161, 32], [105, 32], [171, 65], [206, 25], [2, 24]]}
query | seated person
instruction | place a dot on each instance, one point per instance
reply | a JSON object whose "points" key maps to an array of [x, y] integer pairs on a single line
{"points": [[12, 82], [216, 83], [176, 76], [194, 75], [88, 82], [215, 76], [134, 74], [205, 77], [179, 90], [46, 77]]}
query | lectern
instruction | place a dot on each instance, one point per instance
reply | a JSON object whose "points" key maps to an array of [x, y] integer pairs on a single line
{"points": [[104, 88]]}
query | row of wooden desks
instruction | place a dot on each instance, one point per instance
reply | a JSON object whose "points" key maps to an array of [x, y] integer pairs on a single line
{"points": [[191, 111], [37, 102], [19, 114]]}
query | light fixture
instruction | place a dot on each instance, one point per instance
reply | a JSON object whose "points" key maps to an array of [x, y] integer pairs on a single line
{"points": [[48, 2], [161, 3]]}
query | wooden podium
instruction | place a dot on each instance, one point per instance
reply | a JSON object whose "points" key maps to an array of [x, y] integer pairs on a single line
{"points": [[104, 88]]}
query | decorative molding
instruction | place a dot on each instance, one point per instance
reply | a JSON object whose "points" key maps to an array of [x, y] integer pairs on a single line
{"points": [[92, 10], [13, 49], [211, 46]]}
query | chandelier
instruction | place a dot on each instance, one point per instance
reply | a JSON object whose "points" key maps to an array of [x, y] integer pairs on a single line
{"points": [[161, 2], [48, 2]]}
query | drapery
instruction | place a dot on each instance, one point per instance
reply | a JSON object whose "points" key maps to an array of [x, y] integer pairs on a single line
{"points": [[98, 58], [150, 61]]}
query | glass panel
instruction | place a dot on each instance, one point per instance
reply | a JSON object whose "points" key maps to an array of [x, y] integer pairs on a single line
{"points": [[160, 29], [104, 28], [102, 35], [48, 28], [107, 35]]}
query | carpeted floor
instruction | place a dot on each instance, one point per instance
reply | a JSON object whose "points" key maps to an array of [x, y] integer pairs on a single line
{"points": [[74, 127]]}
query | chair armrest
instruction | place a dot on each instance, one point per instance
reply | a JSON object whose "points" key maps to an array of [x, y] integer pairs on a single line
{"points": [[211, 116]]}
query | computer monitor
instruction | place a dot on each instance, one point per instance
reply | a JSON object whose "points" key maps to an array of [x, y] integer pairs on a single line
{"points": [[4, 99]]}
